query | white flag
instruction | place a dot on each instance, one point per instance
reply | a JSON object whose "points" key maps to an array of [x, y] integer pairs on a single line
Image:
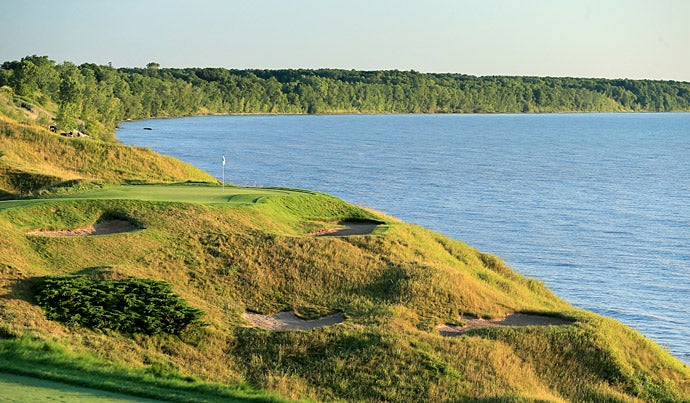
{"points": [[223, 159]]}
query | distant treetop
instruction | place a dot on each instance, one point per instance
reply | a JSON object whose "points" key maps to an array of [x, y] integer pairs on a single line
{"points": [[95, 98]]}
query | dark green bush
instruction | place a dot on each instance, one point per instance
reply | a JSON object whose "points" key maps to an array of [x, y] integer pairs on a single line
{"points": [[131, 305]]}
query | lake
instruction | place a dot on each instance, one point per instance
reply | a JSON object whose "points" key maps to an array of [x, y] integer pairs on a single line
{"points": [[597, 206]]}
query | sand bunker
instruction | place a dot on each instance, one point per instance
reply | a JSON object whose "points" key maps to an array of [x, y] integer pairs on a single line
{"points": [[284, 321], [100, 228], [350, 228], [516, 319]]}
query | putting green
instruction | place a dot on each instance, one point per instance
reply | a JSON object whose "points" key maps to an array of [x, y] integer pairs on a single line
{"points": [[24, 389], [172, 193]]}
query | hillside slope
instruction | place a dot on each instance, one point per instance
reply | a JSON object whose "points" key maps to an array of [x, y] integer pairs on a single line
{"points": [[394, 287], [33, 159], [200, 249]]}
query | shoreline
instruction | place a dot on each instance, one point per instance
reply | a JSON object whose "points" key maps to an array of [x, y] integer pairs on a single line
{"points": [[619, 309], [356, 113]]}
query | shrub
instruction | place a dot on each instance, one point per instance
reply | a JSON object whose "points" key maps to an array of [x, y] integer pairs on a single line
{"points": [[130, 305]]}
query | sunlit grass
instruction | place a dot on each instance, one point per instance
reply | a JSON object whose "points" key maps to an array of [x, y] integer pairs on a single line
{"points": [[184, 193], [51, 360], [35, 160], [225, 251]]}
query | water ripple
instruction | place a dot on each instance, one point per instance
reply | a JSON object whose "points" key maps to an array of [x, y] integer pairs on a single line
{"points": [[595, 205]]}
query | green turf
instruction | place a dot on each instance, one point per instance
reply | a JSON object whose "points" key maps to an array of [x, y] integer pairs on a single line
{"points": [[23, 389], [185, 193], [52, 365], [202, 194], [239, 249]]}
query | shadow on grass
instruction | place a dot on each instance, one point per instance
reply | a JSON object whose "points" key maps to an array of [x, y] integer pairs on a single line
{"points": [[52, 361]]}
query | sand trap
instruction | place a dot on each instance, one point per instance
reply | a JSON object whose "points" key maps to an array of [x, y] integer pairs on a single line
{"points": [[351, 228], [101, 228], [284, 321], [516, 319]]}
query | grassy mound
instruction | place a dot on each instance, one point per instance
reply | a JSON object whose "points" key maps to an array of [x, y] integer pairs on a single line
{"points": [[255, 253], [226, 252], [33, 159]]}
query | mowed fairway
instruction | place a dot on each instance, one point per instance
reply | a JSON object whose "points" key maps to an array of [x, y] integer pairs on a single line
{"points": [[203, 194], [24, 389]]}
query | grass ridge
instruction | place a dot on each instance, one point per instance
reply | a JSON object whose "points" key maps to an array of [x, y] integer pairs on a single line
{"points": [[238, 249]]}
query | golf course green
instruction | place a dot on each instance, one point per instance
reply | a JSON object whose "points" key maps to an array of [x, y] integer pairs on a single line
{"points": [[182, 193]]}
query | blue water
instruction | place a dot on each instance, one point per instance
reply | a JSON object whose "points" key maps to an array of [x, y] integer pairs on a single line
{"points": [[595, 205]]}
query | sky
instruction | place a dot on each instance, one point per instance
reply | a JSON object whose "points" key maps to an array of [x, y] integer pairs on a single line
{"points": [[637, 39]]}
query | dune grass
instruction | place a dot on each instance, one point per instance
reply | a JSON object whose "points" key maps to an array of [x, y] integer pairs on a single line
{"points": [[226, 252], [35, 160]]}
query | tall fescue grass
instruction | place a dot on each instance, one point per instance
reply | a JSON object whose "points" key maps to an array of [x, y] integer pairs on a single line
{"points": [[394, 286], [34, 159], [255, 254]]}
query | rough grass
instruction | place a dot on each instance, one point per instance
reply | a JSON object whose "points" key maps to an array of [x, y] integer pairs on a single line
{"points": [[35, 160], [393, 287], [24, 110], [226, 252], [51, 360]]}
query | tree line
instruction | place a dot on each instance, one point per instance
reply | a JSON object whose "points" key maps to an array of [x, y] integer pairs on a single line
{"points": [[94, 98]]}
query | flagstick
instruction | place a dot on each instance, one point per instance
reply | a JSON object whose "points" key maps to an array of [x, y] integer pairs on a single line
{"points": [[223, 172]]}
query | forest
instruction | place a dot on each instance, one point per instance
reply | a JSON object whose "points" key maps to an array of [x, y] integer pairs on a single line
{"points": [[95, 98]]}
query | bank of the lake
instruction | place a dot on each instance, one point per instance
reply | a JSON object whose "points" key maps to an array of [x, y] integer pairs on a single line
{"points": [[595, 205]]}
